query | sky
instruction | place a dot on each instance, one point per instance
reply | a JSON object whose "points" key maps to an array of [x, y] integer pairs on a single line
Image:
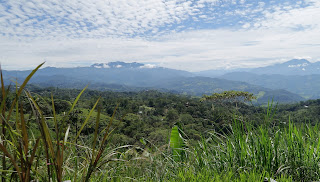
{"points": [[181, 34]]}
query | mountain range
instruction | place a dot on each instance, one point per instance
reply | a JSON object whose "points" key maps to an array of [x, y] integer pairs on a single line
{"points": [[297, 76], [292, 81], [292, 67]]}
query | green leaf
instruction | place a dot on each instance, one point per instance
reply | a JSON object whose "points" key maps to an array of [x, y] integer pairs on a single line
{"points": [[176, 143]]}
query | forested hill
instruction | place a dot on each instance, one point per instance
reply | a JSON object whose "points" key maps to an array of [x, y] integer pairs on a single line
{"points": [[307, 86]]}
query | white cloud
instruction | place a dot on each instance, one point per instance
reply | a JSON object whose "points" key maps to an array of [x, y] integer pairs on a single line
{"points": [[194, 50], [247, 25], [78, 33], [91, 18], [303, 57], [148, 66], [293, 18]]}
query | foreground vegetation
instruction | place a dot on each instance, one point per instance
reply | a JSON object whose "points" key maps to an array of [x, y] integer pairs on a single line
{"points": [[150, 136]]}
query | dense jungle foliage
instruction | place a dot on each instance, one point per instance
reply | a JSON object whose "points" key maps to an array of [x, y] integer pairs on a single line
{"points": [[152, 114]]}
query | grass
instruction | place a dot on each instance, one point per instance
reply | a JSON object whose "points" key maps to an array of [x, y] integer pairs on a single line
{"points": [[31, 150], [286, 153], [283, 153], [25, 158]]}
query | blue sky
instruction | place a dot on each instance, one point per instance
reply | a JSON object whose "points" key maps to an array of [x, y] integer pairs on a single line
{"points": [[181, 34]]}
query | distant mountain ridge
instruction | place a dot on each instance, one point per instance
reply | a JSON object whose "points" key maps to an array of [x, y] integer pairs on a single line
{"points": [[130, 74], [292, 67], [307, 86], [297, 76], [121, 76]]}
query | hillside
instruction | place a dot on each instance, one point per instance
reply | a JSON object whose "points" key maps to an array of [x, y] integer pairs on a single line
{"points": [[307, 86], [204, 85]]}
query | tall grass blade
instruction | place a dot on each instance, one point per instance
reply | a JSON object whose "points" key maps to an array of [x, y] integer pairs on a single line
{"points": [[108, 128], [96, 133], [24, 132], [12, 159], [43, 126], [66, 135], [3, 111], [32, 158], [87, 119], [54, 117], [21, 89], [93, 165], [76, 100]]}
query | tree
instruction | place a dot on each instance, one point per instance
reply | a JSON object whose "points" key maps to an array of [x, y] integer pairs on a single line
{"points": [[62, 105], [172, 115], [230, 97]]}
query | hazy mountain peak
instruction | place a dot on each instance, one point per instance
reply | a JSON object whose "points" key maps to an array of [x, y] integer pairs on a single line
{"points": [[297, 63], [291, 67], [119, 64], [100, 65]]}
